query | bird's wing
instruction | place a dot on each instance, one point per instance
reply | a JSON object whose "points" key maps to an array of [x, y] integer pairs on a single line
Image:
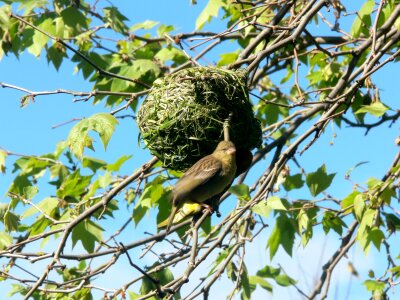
{"points": [[200, 173]]}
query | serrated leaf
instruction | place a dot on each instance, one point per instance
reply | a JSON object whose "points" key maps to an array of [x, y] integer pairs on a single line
{"points": [[256, 280], [221, 256], [163, 29], [39, 40], [376, 236], [242, 191], [171, 54], [88, 233], [74, 21], [78, 138], [319, 180], [373, 285], [269, 272], [293, 182], [359, 206], [29, 5], [117, 165], [133, 296], [283, 234], [115, 18], [148, 24], [284, 280], [362, 19], [74, 185], [262, 209], [30, 192], [348, 202], [46, 205], [275, 203], [93, 163], [11, 221], [376, 109], [245, 284], [5, 240], [227, 58], [331, 221], [211, 10]]}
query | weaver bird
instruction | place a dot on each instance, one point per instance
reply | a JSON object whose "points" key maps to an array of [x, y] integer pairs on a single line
{"points": [[206, 178]]}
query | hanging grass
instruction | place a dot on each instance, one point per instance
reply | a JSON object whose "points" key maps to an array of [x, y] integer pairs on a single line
{"points": [[181, 119]]}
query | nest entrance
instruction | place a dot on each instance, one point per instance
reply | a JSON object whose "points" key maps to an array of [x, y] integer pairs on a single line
{"points": [[181, 119]]}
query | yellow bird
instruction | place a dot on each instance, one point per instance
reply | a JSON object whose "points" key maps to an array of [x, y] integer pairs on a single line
{"points": [[206, 178]]}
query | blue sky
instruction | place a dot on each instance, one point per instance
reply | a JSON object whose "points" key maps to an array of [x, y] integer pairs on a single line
{"points": [[28, 131]]}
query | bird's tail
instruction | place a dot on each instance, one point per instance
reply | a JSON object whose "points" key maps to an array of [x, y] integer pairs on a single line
{"points": [[171, 217]]}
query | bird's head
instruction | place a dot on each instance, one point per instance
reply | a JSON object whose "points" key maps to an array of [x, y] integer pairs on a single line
{"points": [[225, 148]]}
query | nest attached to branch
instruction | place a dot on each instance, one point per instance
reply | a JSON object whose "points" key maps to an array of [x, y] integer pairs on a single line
{"points": [[181, 119]]}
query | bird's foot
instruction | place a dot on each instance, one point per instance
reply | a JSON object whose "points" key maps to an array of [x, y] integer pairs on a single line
{"points": [[207, 208]]}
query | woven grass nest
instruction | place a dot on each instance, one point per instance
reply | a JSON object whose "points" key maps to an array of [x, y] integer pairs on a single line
{"points": [[181, 119]]}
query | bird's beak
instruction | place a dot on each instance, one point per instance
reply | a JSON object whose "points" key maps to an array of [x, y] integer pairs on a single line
{"points": [[231, 151]]}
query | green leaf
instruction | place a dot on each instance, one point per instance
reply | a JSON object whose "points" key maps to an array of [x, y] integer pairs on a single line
{"points": [[376, 236], [133, 296], [138, 213], [331, 221], [105, 180], [269, 272], [29, 5], [359, 206], [285, 280], [228, 58], [3, 156], [11, 221], [117, 165], [93, 163], [275, 203], [5, 240], [256, 280], [241, 191], [163, 29], [293, 182], [19, 183], [152, 193], [262, 209], [39, 40], [78, 138], [74, 21], [30, 192], [231, 271], [74, 185], [283, 234], [88, 233], [211, 10], [319, 180], [221, 256], [148, 24], [348, 202], [164, 276], [47, 205], [364, 229], [362, 19], [114, 17], [171, 54], [245, 284], [374, 285], [376, 109], [55, 55]]}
